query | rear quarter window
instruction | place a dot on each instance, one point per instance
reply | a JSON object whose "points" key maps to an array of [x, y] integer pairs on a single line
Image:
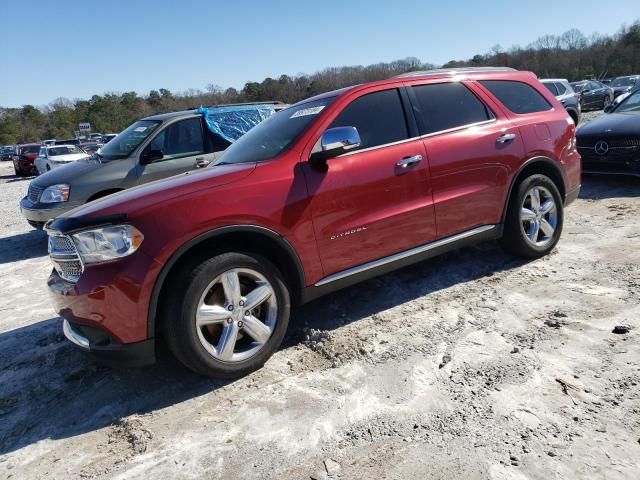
{"points": [[518, 97]]}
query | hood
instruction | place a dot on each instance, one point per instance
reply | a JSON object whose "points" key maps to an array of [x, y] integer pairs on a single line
{"points": [[138, 198], [69, 157], [625, 124], [67, 173], [622, 89]]}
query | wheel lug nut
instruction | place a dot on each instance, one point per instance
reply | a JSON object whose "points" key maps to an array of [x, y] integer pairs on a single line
{"points": [[247, 313], [240, 324], [230, 308], [241, 302], [229, 321]]}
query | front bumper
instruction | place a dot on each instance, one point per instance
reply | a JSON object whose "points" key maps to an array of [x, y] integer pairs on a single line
{"points": [[618, 161], [25, 166], [106, 311], [42, 212], [103, 348]]}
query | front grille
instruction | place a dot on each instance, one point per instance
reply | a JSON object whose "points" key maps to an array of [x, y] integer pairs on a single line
{"points": [[615, 154], [590, 142], [64, 257], [62, 244], [34, 193]]}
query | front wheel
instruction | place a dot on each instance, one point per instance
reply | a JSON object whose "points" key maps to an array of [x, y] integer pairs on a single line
{"points": [[228, 315], [605, 102], [534, 219]]}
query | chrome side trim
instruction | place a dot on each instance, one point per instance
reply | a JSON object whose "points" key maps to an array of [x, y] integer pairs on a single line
{"points": [[379, 146], [407, 253], [461, 127], [73, 336]]}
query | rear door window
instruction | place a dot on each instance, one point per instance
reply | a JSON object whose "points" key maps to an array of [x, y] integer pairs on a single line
{"points": [[443, 106], [180, 139], [518, 97], [561, 88], [378, 117]]}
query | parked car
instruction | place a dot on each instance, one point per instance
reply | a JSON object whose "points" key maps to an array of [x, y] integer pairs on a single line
{"points": [[95, 137], [90, 147], [328, 192], [621, 97], [622, 85], [7, 153], [68, 141], [593, 94], [560, 88], [23, 161], [107, 137], [54, 156], [51, 141], [611, 143], [153, 148]]}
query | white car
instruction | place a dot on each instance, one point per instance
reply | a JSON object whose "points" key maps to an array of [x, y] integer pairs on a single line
{"points": [[53, 156]]}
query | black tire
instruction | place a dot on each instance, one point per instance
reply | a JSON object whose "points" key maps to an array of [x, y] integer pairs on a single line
{"points": [[605, 101], [514, 239], [18, 171], [180, 326]]}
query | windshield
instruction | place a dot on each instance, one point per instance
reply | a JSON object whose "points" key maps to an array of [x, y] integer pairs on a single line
{"points": [[630, 104], [124, 144], [275, 134], [64, 150], [623, 82], [30, 149]]}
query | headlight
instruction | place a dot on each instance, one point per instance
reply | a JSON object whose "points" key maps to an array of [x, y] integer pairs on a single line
{"points": [[107, 243], [55, 193]]}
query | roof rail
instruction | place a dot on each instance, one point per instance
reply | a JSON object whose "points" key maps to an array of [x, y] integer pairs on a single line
{"points": [[455, 71]]}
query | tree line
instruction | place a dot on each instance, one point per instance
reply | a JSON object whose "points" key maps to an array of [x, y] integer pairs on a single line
{"points": [[571, 55]]}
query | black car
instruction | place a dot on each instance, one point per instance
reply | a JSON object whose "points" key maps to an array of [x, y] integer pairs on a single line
{"points": [[611, 143], [593, 94], [622, 85], [561, 89]]}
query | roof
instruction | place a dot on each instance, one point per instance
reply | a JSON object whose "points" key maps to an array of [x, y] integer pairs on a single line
{"points": [[455, 71], [184, 113], [444, 73], [553, 80]]}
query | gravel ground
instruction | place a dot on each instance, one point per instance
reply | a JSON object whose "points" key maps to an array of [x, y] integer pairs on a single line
{"points": [[471, 365]]}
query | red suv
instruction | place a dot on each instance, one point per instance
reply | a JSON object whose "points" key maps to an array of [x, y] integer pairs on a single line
{"points": [[326, 193], [24, 160]]}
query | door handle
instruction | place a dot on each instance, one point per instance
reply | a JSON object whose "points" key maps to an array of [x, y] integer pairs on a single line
{"points": [[201, 162], [406, 161], [506, 138]]}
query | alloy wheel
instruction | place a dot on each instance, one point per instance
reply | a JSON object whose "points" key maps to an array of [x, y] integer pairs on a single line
{"points": [[538, 216], [236, 315]]}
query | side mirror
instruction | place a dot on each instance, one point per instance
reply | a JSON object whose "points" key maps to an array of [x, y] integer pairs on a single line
{"points": [[609, 108], [149, 156], [336, 141]]}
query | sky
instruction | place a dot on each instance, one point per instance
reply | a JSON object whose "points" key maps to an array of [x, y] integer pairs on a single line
{"points": [[73, 49]]}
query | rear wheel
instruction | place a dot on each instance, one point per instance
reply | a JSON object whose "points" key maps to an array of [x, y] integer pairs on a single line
{"points": [[605, 101], [534, 219], [228, 315]]}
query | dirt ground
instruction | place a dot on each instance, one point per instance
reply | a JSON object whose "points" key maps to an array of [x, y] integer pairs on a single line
{"points": [[472, 365]]}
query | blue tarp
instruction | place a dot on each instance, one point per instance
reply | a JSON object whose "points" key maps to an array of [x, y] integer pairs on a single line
{"points": [[234, 121]]}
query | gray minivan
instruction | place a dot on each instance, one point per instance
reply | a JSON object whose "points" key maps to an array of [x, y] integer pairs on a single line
{"points": [[152, 148]]}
